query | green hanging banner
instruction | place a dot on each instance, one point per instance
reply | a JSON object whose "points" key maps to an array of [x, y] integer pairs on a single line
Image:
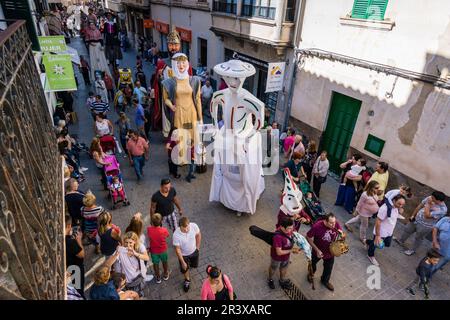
{"points": [[59, 72], [52, 44]]}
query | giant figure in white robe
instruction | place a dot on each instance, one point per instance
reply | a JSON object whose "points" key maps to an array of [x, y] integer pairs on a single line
{"points": [[237, 180]]}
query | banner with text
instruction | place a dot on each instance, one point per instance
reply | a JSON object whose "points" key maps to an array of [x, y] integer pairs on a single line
{"points": [[59, 72], [275, 76], [52, 44]]}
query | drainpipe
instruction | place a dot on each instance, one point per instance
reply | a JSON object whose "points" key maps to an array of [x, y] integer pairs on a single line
{"points": [[297, 38]]}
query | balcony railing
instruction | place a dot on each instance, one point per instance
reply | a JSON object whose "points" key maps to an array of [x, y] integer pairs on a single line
{"points": [[226, 7], [249, 10], [32, 258]]}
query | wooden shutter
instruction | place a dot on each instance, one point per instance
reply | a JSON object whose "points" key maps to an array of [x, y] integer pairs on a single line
{"points": [[376, 9], [359, 10], [369, 9]]}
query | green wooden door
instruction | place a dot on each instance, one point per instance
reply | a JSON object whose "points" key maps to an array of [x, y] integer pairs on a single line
{"points": [[344, 112]]}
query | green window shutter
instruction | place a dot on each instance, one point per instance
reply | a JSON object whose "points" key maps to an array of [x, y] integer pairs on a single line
{"points": [[369, 9], [376, 9], [359, 10]]}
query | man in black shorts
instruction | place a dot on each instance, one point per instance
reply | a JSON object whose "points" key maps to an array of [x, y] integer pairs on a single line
{"points": [[163, 202], [186, 240]]}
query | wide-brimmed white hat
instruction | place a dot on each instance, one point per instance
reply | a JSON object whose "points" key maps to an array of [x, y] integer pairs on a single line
{"points": [[235, 69]]}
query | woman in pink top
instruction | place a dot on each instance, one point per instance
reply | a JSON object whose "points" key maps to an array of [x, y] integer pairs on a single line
{"points": [[289, 142], [217, 286], [366, 207]]}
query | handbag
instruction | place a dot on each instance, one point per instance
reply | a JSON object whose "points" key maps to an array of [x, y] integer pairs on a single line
{"points": [[339, 246]]}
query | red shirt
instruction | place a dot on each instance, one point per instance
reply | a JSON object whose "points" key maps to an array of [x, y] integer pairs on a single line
{"points": [[281, 241], [108, 82], [323, 237], [157, 237]]}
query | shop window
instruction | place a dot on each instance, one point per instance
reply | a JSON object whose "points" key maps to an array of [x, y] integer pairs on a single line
{"points": [[374, 145]]}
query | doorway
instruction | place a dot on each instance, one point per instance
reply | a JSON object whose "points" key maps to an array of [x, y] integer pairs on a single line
{"points": [[203, 49], [341, 122]]}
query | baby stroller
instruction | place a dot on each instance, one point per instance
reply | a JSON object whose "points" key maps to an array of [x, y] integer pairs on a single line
{"points": [[116, 190], [108, 144], [313, 207]]}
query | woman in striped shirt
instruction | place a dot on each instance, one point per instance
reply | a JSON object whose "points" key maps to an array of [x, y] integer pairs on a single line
{"points": [[90, 213]]}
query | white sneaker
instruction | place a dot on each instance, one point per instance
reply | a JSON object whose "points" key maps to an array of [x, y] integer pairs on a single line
{"points": [[148, 277], [373, 260], [409, 252], [238, 214], [83, 169]]}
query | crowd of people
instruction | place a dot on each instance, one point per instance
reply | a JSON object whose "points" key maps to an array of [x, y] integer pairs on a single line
{"points": [[364, 195], [129, 255]]}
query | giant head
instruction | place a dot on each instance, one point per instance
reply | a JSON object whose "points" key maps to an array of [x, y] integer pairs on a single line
{"points": [[180, 66], [292, 195], [234, 73], [173, 43]]}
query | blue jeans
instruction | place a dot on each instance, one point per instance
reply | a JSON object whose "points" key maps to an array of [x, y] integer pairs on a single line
{"points": [[346, 197], [371, 243], [191, 169], [442, 262], [138, 164]]}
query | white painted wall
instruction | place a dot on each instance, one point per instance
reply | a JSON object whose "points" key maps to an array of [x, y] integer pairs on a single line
{"points": [[421, 31]]}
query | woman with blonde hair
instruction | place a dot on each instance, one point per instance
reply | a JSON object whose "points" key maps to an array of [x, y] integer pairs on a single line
{"points": [[137, 226], [90, 212], [110, 237], [130, 262], [366, 207]]}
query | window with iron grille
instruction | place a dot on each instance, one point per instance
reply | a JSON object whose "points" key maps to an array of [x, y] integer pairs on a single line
{"points": [[226, 6], [259, 8]]}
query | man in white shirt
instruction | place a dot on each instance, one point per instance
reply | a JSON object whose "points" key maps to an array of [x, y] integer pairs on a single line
{"points": [[186, 240], [206, 93], [140, 93]]}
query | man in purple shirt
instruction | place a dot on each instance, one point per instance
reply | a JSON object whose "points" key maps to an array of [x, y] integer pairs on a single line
{"points": [[280, 252], [320, 236]]}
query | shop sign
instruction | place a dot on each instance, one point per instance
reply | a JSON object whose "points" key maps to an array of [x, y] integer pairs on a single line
{"points": [[148, 23], [275, 76], [185, 35], [256, 62], [162, 27], [52, 44], [59, 72]]}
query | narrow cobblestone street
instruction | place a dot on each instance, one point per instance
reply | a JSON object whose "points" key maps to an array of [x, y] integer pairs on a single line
{"points": [[226, 241]]}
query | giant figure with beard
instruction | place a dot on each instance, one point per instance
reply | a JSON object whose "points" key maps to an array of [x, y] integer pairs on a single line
{"points": [[162, 114]]}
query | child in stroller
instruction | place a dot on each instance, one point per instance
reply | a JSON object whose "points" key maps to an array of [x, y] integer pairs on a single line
{"points": [[114, 181], [116, 189], [313, 206]]}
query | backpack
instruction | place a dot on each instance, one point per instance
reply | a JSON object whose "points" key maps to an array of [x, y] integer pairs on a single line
{"points": [[265, 235]]}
